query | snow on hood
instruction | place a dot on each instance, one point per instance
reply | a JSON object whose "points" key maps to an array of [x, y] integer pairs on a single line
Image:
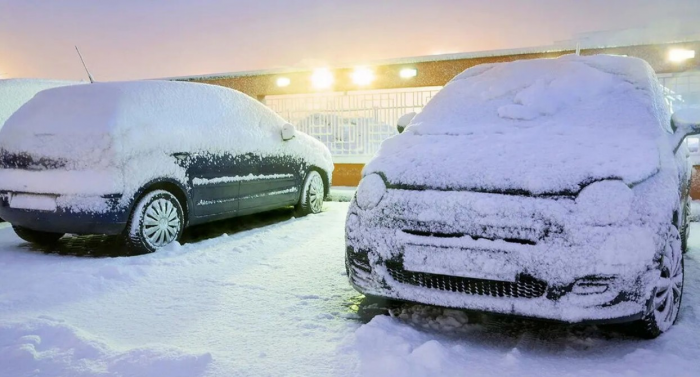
{"points": [[16, 92], [103, 124], [539, 126]]}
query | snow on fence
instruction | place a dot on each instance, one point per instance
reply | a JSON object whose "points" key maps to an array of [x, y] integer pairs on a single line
{"points": [[351, 124]]}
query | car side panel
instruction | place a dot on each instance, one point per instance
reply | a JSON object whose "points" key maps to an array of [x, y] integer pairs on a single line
{"points": [[273, 181]]}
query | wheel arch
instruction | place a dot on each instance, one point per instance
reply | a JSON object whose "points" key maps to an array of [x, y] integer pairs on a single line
{"points": [[167, 184], [324, 175]]}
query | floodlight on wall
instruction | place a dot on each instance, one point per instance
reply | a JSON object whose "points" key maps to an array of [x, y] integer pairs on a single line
{"points": [[362, 76], [679, 55], [408, 73], [283, 81], [322, 78]]}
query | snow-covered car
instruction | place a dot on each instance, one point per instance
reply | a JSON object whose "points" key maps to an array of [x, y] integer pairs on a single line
{"points": [[549, 188], [16, 92], [146, 159]]}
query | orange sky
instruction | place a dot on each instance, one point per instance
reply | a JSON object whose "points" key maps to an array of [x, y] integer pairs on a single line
{"points": [[131, 39]]}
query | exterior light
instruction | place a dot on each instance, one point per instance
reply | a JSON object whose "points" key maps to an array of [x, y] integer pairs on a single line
{"points": [[362, 76], [322, 78], [408, 73], [283, 81], [678, 55]]}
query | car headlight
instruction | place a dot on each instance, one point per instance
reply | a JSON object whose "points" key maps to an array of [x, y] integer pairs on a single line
{"points": [[604, 202], [371, 191]]}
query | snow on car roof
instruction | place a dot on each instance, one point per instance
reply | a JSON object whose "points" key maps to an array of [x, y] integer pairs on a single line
{"points": [[124, 119], [16, 92], [541, 126]]}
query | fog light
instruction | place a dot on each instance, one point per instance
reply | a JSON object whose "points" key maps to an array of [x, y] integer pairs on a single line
{"points": [[590, 287]]}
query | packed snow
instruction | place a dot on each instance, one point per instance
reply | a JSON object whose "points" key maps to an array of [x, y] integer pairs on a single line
{"points": [[539, 126], [275, 301], [122, 135], [16, 92]]}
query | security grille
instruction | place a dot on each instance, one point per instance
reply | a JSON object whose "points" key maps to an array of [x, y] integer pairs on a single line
{"points": [[351, 124], [682, 89]]}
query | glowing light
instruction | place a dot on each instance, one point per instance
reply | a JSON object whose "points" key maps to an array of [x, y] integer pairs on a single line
{"points": [[363, 76], [322, 79], [407, 73], [283, 81], [678, 55]]}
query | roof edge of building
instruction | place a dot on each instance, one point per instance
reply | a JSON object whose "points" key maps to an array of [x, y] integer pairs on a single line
{"points": [[555, 48]]}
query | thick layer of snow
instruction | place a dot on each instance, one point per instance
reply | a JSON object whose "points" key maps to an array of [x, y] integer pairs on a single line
{"points": [[131, 129], [274, 301], [541, 126], [16, 92]]}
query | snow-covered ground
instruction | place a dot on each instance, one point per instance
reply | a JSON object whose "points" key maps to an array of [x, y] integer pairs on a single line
{"points": [[267, 296]]}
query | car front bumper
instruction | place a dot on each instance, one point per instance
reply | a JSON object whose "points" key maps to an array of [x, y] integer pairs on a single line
{"points": [[403, 250]]}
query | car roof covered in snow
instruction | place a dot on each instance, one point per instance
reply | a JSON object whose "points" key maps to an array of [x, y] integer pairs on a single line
{"points": [[124, 120], [16, 92], [539, 126]]}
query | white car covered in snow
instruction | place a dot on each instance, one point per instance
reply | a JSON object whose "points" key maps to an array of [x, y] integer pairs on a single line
{"points": [[549, 188], [146, 159]]}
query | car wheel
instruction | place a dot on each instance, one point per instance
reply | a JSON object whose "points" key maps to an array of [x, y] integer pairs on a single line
{"points": [[312, 194], [157, 220], [37, 237], [668, 293]]}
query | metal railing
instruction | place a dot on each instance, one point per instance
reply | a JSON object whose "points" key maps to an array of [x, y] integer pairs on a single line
{"points": [[351, 124]]}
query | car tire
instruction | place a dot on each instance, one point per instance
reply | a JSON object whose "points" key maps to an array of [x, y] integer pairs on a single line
{"points": [[156, 221], [313, 193], [667, 296], [37, 237]]}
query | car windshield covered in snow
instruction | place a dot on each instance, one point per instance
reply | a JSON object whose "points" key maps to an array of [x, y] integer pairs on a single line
{"points": [[538, 126]]}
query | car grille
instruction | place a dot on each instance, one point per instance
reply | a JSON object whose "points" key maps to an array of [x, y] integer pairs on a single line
{"points": [[525, 287]]}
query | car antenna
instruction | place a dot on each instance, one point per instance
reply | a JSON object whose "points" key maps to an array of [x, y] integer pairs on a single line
{"points": [[84, 66]]}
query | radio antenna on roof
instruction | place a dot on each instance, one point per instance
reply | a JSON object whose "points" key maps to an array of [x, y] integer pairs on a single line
{"points": [[84, 66]]}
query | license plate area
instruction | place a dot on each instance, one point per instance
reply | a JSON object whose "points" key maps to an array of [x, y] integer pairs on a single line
{"points": [[461, 262], [33, 202]]}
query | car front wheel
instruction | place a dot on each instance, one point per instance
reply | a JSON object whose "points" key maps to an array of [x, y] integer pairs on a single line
{"points": [[312, 194], [668, 292], [157, 220], [37, 237]]}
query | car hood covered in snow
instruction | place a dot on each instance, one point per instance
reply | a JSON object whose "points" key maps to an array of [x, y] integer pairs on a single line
{"points": [[536, 126]]}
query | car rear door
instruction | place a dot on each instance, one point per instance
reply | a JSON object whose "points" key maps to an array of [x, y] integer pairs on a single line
{"points": [[215, 188]]}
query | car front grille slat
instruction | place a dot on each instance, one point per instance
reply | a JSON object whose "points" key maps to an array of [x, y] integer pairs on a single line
{"points": [[524, 287]]}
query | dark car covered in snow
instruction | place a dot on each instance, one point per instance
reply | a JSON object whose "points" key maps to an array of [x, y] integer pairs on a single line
{"points": [[147, 159], [548, 188]]}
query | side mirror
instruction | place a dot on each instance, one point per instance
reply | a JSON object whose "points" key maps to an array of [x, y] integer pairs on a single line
{"points": [[685, 122], [404, 121], [288, 132]]}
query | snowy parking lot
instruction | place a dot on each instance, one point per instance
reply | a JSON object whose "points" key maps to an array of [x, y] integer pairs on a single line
{"points": [[267, 295]]}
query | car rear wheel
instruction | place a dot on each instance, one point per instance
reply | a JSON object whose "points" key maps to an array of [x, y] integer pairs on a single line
{"points": [[157, 221], [37, 237], [668, 293], [312, 194]]}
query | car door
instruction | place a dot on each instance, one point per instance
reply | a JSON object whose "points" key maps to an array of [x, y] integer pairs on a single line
{"points": [[272, 174], [214, 183]]}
